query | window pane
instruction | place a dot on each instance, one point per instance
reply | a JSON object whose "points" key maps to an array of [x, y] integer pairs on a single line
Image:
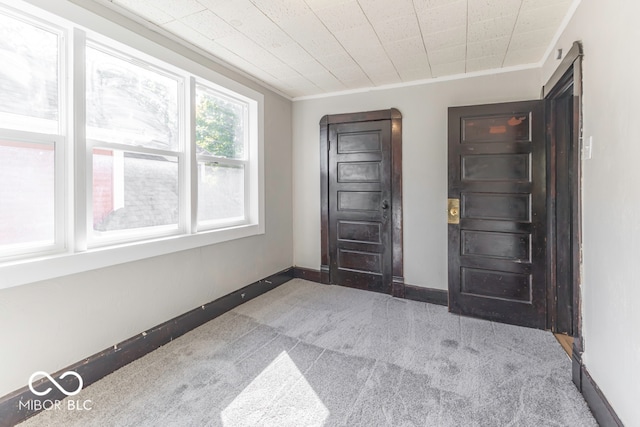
{"points": [[28, 77], [133, 190], [27, 201], [498, 128], [220, 125], [129, 104], [220, 192]]}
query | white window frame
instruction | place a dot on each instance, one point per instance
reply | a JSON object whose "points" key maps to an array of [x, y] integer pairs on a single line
{"points": [[250, 153], [58, 141], [76, 254], [137, 58]]}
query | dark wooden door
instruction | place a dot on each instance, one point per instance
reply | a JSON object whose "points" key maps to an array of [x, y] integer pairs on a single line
{"points": [[497, 251], [360, 205]]}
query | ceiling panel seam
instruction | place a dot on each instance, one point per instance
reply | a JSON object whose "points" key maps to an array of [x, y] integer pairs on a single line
{"points": [[275, 56], [341, 45], [512, 32], [424, 46], [380, 41], [303, 47]]}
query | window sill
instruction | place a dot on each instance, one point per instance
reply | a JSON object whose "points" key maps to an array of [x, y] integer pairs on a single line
{"points": [[16, 273]]}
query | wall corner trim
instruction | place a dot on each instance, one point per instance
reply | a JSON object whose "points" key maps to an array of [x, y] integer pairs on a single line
{"points": [[101, 364]]}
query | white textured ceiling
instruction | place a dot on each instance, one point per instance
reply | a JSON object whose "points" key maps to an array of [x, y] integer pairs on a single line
{"points": [[310, 47]]}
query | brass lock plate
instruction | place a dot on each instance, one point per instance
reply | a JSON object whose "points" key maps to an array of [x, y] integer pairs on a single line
{"points": [[453, 211]]}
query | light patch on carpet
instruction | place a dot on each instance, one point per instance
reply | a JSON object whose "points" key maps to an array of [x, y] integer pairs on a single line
{"points": [[282, 373]]}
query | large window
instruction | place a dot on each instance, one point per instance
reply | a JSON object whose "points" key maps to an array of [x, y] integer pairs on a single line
{"points": [[105, 143], [31, 144]]}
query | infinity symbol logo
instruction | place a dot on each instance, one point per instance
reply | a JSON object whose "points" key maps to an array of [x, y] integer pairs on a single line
{"points": [[58, 386]]}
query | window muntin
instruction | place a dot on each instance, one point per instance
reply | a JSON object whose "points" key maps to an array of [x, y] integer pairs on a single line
{"points": [[29, 77]]}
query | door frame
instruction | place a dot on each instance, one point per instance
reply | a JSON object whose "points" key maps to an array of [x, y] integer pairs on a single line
{"points": [[397, 285], [566, 80]]}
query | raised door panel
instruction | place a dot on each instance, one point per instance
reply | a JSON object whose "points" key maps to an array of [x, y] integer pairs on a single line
{"points": [[359, 198], [497, 250]]}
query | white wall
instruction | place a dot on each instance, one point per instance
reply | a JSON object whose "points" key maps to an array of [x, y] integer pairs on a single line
{"points": [[424, 145], [52, 324], [610, 33]]}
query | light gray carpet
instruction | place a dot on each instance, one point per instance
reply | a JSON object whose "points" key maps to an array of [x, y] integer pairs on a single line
{"points": [[306, 354]]}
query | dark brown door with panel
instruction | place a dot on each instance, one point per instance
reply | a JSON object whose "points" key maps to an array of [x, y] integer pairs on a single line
{"points": [[360, 205], [497, 212]]}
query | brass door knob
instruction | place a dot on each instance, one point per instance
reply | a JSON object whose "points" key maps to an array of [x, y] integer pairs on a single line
{"points": [[453, 211]]}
